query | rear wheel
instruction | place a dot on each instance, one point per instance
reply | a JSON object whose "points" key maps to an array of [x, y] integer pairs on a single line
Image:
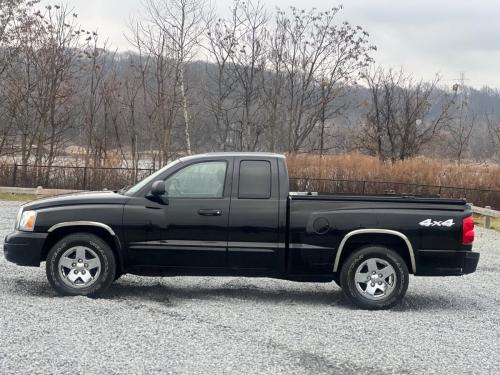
{"points": [[80, 264], [374, 278]]}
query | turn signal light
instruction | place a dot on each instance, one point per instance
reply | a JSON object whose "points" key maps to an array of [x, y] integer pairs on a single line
{"points": [[27, 222], [468, 230]]}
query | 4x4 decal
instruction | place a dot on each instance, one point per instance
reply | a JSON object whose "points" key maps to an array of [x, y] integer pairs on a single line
{"points": [[436, 223]]}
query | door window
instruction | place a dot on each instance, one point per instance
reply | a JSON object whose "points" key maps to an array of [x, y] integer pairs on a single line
{"points": [[200, 180]]}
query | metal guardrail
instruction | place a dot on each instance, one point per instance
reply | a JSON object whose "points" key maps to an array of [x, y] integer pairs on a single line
{"points": [[488, 213]]}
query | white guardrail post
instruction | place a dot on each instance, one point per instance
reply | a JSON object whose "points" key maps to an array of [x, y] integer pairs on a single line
{"points": [[488, 213]]}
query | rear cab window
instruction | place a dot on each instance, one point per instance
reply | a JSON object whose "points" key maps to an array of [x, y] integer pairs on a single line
{"points": [[254, 179]]}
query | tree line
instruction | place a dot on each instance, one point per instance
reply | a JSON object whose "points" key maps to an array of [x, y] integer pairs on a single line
{"points": [[285, 81]]}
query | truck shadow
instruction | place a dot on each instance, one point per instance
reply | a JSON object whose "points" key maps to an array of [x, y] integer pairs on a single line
{"points": [[426, 302], [331, 296], [248, 293], [168, 295]]}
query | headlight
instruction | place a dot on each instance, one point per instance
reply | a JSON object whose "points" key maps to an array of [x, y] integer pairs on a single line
{"points": [[27, 222]]}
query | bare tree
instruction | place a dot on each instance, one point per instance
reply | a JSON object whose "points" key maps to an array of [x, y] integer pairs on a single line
{"points": [[182, 23], [247, 35], [9, 11], [275, 79], [321, 58], [159, 78], [55, 67], [40, 83], [493, 124], [222, 41], [14, 14], [97, 63], [463, 123], [131, 115], [401, 117]]}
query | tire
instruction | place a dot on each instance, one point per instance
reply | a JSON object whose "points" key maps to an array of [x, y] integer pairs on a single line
{"points": [[81, 264], [376, 293]]}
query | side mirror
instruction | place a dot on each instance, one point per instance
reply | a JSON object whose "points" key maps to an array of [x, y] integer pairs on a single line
{"points": [[158, 188]]}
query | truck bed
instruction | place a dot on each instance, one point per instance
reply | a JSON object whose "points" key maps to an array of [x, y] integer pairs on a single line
{"points": [[322, 221]]}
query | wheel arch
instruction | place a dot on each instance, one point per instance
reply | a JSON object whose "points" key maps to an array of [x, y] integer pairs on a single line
{"points": [[103, 231], [387, 237]]}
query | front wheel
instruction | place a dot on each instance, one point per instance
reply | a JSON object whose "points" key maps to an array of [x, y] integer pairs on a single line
{"points": [[80, 264], [374, 278]]}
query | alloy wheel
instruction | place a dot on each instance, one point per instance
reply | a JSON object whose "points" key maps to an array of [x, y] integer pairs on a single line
{"points": [[375, 278], [79, 267]]}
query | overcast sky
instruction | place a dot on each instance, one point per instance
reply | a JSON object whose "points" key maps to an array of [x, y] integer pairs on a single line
{"points": [[423, 36]]}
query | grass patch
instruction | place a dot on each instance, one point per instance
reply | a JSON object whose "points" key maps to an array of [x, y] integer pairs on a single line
{"points": [[479, 221], [17, 197]]}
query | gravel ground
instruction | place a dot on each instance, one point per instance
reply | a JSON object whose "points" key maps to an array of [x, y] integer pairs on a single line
{"points": [[240, 325]]}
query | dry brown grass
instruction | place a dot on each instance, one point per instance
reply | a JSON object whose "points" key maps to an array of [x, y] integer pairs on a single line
{"points": [[414, 171]]}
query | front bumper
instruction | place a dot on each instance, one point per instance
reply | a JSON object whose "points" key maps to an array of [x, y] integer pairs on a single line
{"points": [[446, 263], [24, 248]]}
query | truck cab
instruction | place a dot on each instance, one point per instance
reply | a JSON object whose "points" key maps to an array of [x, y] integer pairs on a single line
{"points": [[223, 213]]}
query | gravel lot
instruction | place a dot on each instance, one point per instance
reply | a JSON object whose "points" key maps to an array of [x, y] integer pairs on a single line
{"points": [[240, 325]]}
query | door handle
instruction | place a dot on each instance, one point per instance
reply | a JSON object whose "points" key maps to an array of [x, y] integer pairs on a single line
{"points": [[205, 212]]}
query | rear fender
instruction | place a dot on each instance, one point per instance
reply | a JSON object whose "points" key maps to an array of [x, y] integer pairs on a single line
{"points": [[387, 232]]}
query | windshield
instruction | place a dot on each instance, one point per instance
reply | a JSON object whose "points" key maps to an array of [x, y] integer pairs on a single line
{"points": [[134, 189]]}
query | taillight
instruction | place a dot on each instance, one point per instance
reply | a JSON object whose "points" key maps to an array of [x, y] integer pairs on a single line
{"points": [[468, 230]]}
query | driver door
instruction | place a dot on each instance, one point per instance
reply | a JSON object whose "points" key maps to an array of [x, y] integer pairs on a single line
{"points": [[192, 226]]}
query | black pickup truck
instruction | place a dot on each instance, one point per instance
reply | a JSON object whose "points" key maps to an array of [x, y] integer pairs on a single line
{"points": [[231, 214]]}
